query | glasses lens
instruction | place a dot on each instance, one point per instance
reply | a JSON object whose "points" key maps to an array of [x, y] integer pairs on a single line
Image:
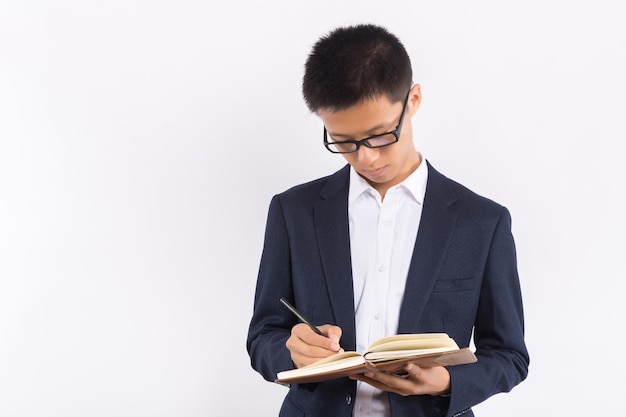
{"points": [[340, 147], [382, 140]]}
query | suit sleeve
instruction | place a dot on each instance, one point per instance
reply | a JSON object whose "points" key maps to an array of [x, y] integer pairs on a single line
{"points": [[499, 329], [269, 328]]}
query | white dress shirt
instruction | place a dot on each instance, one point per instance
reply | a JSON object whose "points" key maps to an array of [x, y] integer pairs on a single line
{"points": [[382, 237]]}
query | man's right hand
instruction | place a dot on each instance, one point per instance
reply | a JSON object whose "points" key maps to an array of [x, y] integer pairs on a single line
{"points": [[307, 347]]}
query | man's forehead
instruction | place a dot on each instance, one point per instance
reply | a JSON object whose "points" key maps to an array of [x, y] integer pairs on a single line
{"points": [[365, 117]]}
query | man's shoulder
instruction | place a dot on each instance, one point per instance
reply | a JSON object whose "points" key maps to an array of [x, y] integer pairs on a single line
{"points": [[461, 194], [313, 189]]}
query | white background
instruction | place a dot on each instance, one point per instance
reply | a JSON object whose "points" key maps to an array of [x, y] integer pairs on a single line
{"points": [[141, 142]]}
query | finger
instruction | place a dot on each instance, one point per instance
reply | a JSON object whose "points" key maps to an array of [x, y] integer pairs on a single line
{"points": [[307, 347], [332, 332], [402, 385], [316, 352], [378, 384], [329, 342]]}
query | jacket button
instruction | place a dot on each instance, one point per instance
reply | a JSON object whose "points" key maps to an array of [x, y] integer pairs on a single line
{"points": [[349, 399]]}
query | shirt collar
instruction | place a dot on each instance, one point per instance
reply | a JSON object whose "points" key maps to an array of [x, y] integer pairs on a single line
{"points": [[415, 184]]}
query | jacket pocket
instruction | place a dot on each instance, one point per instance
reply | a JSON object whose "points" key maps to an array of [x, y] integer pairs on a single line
{"points": [[452, 285]]}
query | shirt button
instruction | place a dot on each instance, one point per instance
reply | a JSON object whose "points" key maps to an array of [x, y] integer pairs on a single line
{"points": [[377, 316], [381, 268], [387, 223]]}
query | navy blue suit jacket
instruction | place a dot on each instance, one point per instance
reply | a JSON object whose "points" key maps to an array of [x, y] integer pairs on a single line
{"points": [[462, 279]]}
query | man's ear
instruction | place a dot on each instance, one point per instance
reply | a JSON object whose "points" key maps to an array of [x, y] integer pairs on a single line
{"points": [[415, 99]]}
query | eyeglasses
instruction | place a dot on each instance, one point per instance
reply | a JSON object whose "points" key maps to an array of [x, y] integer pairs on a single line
{"points": [[375, 141]]}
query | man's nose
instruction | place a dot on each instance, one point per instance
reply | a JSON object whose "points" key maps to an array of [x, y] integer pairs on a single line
{"points": [[367, 155]]}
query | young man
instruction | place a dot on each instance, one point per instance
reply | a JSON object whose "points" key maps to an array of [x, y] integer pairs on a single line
{"points": [[385, 245]]}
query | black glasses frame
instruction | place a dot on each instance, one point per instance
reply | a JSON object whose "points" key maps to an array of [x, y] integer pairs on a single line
{"points": [[358, 143]]}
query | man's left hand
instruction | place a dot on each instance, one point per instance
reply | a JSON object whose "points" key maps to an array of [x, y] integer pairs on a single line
{"points": [[416, 380]]}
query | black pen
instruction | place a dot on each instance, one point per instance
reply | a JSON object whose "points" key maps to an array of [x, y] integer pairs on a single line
{"points": [[301, 317]]}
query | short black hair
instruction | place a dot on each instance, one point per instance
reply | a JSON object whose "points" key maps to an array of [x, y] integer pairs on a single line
{"points": [[355, 63]]}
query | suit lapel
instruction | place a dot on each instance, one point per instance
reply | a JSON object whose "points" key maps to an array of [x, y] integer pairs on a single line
{"points": [[333, 235], [435, 231]]}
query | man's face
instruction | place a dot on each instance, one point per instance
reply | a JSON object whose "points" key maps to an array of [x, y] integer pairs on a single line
{"points": [[381, 167]]}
